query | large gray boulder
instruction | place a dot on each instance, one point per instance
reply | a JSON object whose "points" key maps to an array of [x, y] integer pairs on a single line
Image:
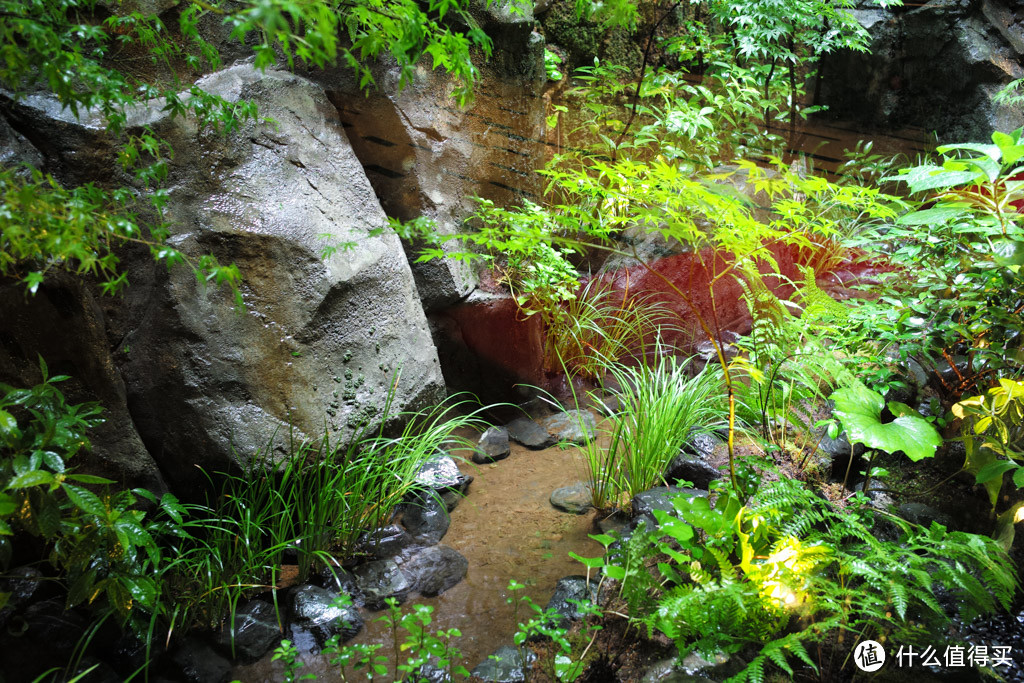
{"points": [[319, 341]]}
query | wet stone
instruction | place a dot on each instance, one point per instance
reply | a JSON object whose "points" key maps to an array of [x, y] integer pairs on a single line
{"points": [[528, 433], [313, 609], [128, 654], [386, 542], [255, 631], [840, 447], [198, 663], [378, 580], [505, 667], [493, 446], [692, 468], [575, 498], [49, 625], [430, 673], [659, 498], [880, 500], [919, 513], [21, 583], [664, 671], [434, 570], [426, 519], [451, 499], [616, 523], [571, 588], [441, 473], [701, 444], [572, 426]]}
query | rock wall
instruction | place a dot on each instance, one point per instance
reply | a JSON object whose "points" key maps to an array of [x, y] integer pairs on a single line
{"points": [[426, 156], [935, 66]]}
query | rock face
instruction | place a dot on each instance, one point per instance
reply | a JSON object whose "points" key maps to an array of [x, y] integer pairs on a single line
{"points": [[530, 434], [425, 156], [504, 666], [568, 591], [319, 338], [64, 323], [645, 503], [936, 66]]}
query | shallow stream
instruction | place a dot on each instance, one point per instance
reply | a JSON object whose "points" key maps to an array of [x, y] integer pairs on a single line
{"points": [[507, 529]]}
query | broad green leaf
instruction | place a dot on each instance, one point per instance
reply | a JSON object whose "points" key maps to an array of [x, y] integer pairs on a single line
{"points": [[30, 478], [978, 457], [8, 425], [143, 590], [900, 409], [934, 216], [860, 411], [993, 470], [1005, 527], [53, 461], [922, 178], [86, 500], [46, 514], [1008, 253], [613, 572], [7, 505], [89, 479], [589, 562], [990, 151], [81, 589]]}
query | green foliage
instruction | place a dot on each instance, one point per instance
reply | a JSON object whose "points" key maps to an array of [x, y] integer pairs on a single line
{"points": [[860, 410], [599, 327], [44, 226], [547, 624], [103, 548], [954, 304], [791, 570], [551, 65], [288, 654], [785, 368], [658, 406], [317, 501], [993, 430], [1010, 94], [420, 648]]}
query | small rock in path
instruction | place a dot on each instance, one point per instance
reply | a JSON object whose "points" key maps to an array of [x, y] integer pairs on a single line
{"points": [[575, 498]]}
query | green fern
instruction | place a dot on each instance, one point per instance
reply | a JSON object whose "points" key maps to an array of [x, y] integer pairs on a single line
{"points": [[722, 594]]}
